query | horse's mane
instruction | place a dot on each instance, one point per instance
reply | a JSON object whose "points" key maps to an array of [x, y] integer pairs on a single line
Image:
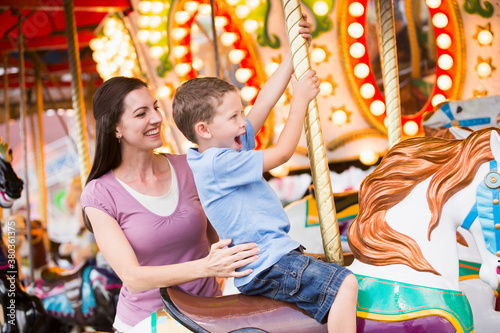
{"points": [[453, 165]]}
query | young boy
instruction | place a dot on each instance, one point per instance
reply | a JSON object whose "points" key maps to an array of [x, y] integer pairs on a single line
{"points": [[241, 205]]}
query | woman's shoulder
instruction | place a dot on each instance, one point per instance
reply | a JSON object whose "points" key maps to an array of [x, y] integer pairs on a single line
{"points": [[177, 159]]}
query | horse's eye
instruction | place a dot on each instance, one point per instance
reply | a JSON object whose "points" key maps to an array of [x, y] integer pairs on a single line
{"points": [[459, 109]]}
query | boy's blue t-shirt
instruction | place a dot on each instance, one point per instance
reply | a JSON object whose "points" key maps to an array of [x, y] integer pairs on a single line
{"points": [[239, 202]]}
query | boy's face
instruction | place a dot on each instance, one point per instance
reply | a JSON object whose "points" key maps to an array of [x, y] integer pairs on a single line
{"points": [[228, 123]]}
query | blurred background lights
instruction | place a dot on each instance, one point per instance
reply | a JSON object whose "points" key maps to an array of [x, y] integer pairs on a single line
{"points": [[355, 30], [485, 37], [248, 93], [242, 11], [368, 157], [318, 55], [357, 50], [361, 70], [440, 20], [326, 88], [236, 56], [377, 108], [320, 8], [144, 7], [243, 74], [271, 67], [339, 117], [182, 69], [410, 128], [444, 82], [433, 3], [250, 26], [228, 38], [445, 62], [221, 22], [181, 17], [483, 69], [437, 99], [443, 41], [367, 91], [356, 9]]}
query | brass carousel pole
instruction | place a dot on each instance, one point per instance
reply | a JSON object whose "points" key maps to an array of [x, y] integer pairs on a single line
{"points": [[77, 91], [315, 144], [389, 62], [22, 116]]}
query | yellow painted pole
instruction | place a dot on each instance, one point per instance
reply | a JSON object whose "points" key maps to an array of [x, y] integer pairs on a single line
{"points": [[315, 143]]}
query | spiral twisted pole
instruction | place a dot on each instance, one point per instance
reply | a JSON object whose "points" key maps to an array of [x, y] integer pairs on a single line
{"points": [[77, 91], [315, 143], [389, 62]]}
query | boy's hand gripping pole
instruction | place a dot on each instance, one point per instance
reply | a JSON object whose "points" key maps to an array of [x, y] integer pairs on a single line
{"points": [[315, 143]]}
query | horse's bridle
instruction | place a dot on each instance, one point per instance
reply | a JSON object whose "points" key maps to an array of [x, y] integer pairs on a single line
{"points": [[465, 122]]}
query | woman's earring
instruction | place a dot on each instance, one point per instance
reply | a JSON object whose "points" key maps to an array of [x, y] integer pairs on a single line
{"points": [[119, 137]]}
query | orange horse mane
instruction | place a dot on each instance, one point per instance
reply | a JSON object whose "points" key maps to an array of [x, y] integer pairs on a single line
{"points": [[452, 165]]}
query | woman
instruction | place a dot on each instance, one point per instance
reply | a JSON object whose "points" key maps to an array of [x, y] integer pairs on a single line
{"points": [[144, 210]]}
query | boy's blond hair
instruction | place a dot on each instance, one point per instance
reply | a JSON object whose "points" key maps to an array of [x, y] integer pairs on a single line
{"points": [[196, 100]]}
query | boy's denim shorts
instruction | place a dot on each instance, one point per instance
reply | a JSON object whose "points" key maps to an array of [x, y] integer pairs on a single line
{"points": [[310, 283]]}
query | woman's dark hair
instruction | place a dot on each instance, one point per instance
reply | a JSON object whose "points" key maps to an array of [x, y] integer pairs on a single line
{"points": [[108, 109]]}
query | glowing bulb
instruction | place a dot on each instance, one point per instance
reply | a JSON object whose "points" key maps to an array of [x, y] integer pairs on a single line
{"points": [[180, 51], [195, 47], [320, 8], [250, 26], [445, 62], [144, 7], [243, 74], [325, 88], [248, 93], [440, 20], [156, 52], [367, 91], [355, 30], [410, 128], [485, 37], [271, 68], [377, 108], [205, 9], [109, 30], [221, 22], [96, 44], [228, 38], [368, 157], [443, 41], [119, 60], [280, 171], [357, 50], [483, 70], [129, 64], [318, 55], [181, 17], [247, 109], [433, 3], [191, 7], [444, 82], [198, 64], [195, 29], [179, 33], [157, 7], [98, 56], [356, 9], [155, 37], [252, 4], [437, 99], [143, 36], [339, 117], [361, 70], [232, 2], [242, 11], [155, 22], [182, 69], [236, 56]]}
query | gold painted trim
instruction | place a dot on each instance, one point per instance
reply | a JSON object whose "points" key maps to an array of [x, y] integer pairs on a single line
{"points": [[352, 136]]}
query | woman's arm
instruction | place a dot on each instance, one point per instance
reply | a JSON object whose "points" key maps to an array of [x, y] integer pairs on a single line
{"points": [[220, 262]]}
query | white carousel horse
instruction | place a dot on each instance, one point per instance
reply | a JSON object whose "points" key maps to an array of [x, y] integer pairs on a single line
{"points": [[404, 239]]}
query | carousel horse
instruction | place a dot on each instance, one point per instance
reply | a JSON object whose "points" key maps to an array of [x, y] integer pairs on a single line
{"points": [[404, 242]]}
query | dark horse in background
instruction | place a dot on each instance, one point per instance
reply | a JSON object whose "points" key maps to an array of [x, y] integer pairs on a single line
{"points": [[61, 300]]}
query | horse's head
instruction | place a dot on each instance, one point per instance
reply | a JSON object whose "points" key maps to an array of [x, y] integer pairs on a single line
{"points": [[474, 113], [10, 185]]}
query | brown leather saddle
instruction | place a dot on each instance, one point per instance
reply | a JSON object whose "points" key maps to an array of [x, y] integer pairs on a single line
{"points": [[237, 313]]}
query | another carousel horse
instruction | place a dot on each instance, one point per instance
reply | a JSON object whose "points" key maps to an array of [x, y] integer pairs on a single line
{"points": [[404, 239]]}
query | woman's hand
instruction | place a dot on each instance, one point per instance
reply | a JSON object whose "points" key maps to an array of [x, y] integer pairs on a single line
{"points": [[305, 30], [223, 262]]}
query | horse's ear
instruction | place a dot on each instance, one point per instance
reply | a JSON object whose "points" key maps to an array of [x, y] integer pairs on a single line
{"points": [[495, 145], [459, 133]]}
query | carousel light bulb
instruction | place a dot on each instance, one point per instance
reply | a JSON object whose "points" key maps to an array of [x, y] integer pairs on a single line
{"points": [[232, 2], [437, 99], [367, 91], [325, 88], [246, 109], [356, 9], [155, 21], [157, 7], [443, 41], [129, 64], [50, 112], [182, 69], [271, 68], [126, 72], [113, 22], [410, 128], [250, 26], [318, 55], [248, 93], [179, 51], [485, 37], [119, 60], [377, 108], [320, 8], [243, 74], [221, 22], [181, 17], [483, 70], [236, 56], [357, 50], [444, 82], [281, 101], [156, 52], [191, 7], [205, 9], [440, 20], [112, 67], [433, 3], [96, 44], [155, 37], [109, 30], [98, 56], [143, 21], [144, 7], [361, 70], [228, 38], [179, 33], [242, 11], [143, 35], [280, 171], [195, 29], [198, 64], [445, 62], [339, 117], [252, 4], [355, 30], [368, 157], [163, 92], [195, 47]]}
